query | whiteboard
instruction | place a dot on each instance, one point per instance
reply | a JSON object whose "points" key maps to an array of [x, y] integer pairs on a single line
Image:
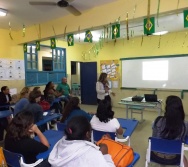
{"points": [[177, 72]]}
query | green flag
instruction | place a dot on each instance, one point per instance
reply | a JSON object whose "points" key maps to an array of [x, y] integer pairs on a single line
{"points": [[70, 40], [88, 36], [185, 15], [115, 31], [25, 47], [149, 26], [38, 45], [53, 43]]}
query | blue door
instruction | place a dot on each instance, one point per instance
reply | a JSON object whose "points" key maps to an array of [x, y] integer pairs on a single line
{"points": [[88, 79]]}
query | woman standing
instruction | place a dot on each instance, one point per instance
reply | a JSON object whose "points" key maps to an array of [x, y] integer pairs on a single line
{"points": [[103, 89]]}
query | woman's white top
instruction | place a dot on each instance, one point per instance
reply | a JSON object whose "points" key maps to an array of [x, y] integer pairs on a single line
{"points": [[101, 91]]}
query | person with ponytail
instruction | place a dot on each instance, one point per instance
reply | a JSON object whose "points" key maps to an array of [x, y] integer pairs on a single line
{"points": [[75, 148]]}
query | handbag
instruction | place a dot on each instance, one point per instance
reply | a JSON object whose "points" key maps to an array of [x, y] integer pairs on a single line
{"points": [[2, 158], [121, 154]]}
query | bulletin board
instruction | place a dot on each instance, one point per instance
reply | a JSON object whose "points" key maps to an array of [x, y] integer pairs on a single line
{"points": [[12, 69], [111, 67]]}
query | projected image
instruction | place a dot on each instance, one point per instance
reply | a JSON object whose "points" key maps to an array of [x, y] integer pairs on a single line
{"points": [[155, 70]]}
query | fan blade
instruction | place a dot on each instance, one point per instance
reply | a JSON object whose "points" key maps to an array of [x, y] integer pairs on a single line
{"points": [[43, 3], [73, 10]]}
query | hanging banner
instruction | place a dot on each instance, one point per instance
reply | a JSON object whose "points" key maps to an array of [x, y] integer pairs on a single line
{"points": [[38, 45], [25, 47], [70, 40], [185, 15], [88, 36], [115, 31], [53, 43], [149, 26]]}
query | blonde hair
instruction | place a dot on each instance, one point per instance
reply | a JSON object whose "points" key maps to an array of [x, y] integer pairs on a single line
{"points": [[23, 92]]}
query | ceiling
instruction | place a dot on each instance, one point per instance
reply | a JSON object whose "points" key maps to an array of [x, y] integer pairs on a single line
{"points": [[21, 12]]}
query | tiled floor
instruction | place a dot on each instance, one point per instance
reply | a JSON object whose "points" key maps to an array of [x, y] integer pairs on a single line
{"points": [[139, 138]]}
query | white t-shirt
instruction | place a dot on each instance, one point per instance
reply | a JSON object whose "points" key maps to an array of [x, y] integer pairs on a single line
{"points": [[110, 126]]}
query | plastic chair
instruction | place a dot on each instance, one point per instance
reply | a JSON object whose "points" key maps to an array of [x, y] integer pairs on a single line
{"points": [[60, 126], [97, 135], [17, 160], [165, 146], [136, 158]]}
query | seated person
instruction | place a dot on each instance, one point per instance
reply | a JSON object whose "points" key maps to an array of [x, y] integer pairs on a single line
{"points": [[64, 88], [18, 138], [72, 109], [34, 98], [75, 149], [5, 99], [23, 100], [50, 94], [104, 119], [170, 126]]}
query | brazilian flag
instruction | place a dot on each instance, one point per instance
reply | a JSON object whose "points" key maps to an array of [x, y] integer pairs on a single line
{"points": [[149, 26], [70, 40], [185, 15], [115, 31], [88, 36], [53, 43], [38, 45], [25, 47]]}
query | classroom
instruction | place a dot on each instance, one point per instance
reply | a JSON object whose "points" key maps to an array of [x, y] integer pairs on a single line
{"points": [[99, 17]]}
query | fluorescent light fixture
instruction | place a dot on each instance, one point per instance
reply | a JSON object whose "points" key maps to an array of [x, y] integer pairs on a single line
{"points": [[160, 33], [3, 12], [95, 38]]}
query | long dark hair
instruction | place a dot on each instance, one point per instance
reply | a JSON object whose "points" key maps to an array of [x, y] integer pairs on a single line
{"points": [[71, 105], [33, 95], [174, 116], [104, 111], [20, 124], [102, 78], [47, 88], [77, 128]]}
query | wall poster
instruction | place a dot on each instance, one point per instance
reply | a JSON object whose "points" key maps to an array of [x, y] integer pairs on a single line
{"points": [[111, 67]]}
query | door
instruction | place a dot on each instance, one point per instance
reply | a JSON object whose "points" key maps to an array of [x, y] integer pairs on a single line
{"points": [[88, 79]]}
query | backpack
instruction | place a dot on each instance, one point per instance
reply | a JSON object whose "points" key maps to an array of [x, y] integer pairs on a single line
{"points": [[121, 154], [45, 105], [2, 158]]}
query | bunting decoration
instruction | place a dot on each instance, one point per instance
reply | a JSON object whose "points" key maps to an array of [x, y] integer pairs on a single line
{"points": [[53, 43], [10, 31], [54, 30], [149, 26], [115, 31], [184, 39], [127, 25], [158, 13], [25, 47], [39, 32], [65, 31], [142, 39], [159, 45], [185, 15], [79, 33], [88, 36], [178, 6], [23, 31], [38, 45], [70, 40]]}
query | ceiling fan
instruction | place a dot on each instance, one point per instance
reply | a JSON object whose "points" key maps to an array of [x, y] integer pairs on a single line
{"points": [[61, 3]]}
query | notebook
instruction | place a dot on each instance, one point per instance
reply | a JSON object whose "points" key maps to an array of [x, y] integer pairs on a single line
{"points": [[150, 97]]}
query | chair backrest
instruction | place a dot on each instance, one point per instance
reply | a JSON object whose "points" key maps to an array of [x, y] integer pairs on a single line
{"points": [[165, 146], [97, 135], [12, 159], [61, 126]]}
